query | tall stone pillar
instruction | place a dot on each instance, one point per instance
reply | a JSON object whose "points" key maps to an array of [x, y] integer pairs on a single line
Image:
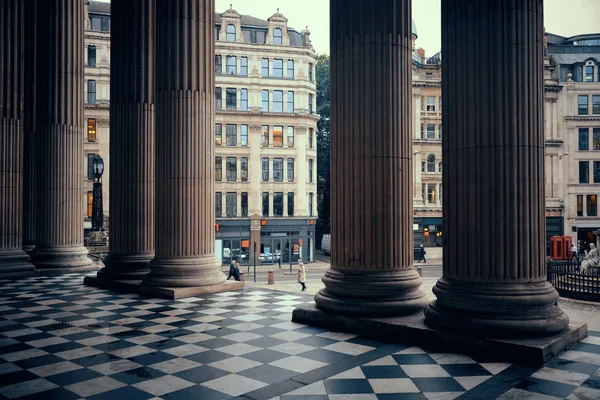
{"points": [[371, 270], [494, 274], [13, 260], [185, 173], [59, 136], [132, 172], [29, 212]]}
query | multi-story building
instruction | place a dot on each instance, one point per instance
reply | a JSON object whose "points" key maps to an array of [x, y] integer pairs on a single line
{"points": [[97, 89], [265, 133], [265, 138], [572, 132]]}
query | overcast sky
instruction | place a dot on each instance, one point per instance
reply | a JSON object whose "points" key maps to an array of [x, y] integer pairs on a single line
{"points": [[566, 18]]}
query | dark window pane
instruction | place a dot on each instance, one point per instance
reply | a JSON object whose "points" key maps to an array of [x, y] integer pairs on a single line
{"points": [[218, 99], [218, 205], [290, 204], [290, 169], [231, 98], [278, 204], [231, 204], [584, 141], [218, 134], [584, 172], [218, 169], [218, 64], [582, 108], [244, 204], [278, 169], [231, 132], [244, 168], [92, 56], [265, 204], [592, 205], [231, 169], [265, 169]]}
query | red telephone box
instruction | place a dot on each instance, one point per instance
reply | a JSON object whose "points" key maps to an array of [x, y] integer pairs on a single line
{"points": [[560, 248], [568, 245]]}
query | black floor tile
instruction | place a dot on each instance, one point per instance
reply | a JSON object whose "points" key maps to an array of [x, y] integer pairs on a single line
{"points": [[112, 346], [265, 356], [326, 356], [216, 343], [587, 347], [413, 359], [57, 348], [315, 341], [124, 393], [152, 358], [68, 378], [95, 359], [38, 361], [54, 394], [573, 366], [268, 373], [207, 357], [348, 386], [198, 392], [403, 396], [465, 370], [383, 372], [592, 382], [17, 377], [201, 374], [438, 385], [549, 388], [137, 375]]}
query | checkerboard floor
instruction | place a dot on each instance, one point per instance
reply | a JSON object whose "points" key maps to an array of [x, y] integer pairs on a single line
{"points": [[62, 340]]}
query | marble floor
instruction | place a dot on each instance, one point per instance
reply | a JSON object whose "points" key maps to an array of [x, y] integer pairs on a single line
{"points": [[62, 340]]}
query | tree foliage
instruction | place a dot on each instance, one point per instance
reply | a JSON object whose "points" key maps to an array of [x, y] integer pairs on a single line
{"points": [[322, 73]]}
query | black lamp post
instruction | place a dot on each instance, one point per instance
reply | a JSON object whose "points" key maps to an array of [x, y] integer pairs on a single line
{"points": [[97, 216]]}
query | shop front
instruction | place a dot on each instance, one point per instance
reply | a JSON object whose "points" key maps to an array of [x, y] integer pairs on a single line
{"points": [[233, 242], [427, 231], [286, 241]]}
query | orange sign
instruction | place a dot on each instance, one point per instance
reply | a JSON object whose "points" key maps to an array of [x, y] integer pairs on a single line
{"points": [[246, 243]]}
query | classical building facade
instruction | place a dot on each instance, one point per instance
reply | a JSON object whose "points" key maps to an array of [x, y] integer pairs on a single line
{"points": [[265, 140], [572, 133], [265, 133]]}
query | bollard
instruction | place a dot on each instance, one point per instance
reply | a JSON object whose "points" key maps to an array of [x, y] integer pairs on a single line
{"points": [[420, 271], [241, 276], [271, 278]]}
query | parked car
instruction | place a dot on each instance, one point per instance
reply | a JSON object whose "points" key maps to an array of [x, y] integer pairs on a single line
{"points": [[326, 245]]}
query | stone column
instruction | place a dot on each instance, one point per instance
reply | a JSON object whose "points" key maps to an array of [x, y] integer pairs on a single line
{"points": [[494, 275], [185, 173], [13, 260], [60, 132], [132, 172], [371, 270], [29, 211]]}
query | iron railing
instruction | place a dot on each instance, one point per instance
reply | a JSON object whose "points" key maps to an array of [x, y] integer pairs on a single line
{"points": [[570, 281]]}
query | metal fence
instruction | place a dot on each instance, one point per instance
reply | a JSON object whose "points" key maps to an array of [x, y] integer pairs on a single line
{"points": [[570, 281]]}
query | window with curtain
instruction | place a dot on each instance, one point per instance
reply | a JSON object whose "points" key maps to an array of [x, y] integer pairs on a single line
{"points": [[91, 131], [231, 65], [431, 163], [231, 204], [265, 136], [218, 64], [430, 104], [218, 134], [584, 139], [278, 169], [592, 205], [244, 204], [218, 169], [431, 193], [265, 100], [265, 169], [244, 169], [278, 136], [290, 136], [265, 204], [244, 135], [231, 168], [231, 98], [290, 169], [290, 204], [277, 36], [218, 205], [290, 69], [218, 99], [91, 56], [278, 204], [244, 99], [230, 33], [278, 100], [244, 66], [584, 172], [290, 101], [91, 91], [231, 134]]}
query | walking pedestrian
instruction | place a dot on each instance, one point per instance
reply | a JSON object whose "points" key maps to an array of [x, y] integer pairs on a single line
{"points": [[574, 253], [422, 253], [231, 270], [301, 274]]}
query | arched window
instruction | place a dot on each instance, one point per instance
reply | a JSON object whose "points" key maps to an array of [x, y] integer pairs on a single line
{"points": [[277, 36], [431, 163], [230, 33]]}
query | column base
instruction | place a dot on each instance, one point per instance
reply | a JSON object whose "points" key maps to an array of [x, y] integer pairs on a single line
{"points": [[371, 293], [28, 248], [74, 257], [184, 272], [499, 310], [123, 267], [14, 264]]}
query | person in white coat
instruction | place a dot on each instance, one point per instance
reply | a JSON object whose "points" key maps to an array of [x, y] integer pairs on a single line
{"points": [[301, 274]]}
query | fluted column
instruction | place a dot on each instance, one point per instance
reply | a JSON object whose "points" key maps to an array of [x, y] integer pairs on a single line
{"points": [[132, 137], [494, 274], [13, 260], [371, 270], [29, 212], [59, 136], [185, 205]]}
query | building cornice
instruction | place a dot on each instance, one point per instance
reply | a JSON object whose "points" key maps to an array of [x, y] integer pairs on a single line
{"points": [[583, 118], [427, 84], [314, 117]]}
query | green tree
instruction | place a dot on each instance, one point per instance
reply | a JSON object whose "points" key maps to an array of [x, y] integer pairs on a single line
{"points": [[322, 74]]}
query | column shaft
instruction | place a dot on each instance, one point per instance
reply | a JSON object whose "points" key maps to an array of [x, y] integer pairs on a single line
{"points": [[185, 205], [13, 260], [371, 162], [29, 211], [132, 138], [494, 274], [59, 135]]}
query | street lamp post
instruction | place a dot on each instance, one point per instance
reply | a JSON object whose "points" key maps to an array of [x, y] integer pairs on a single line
{"points": [[97, 236]]}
